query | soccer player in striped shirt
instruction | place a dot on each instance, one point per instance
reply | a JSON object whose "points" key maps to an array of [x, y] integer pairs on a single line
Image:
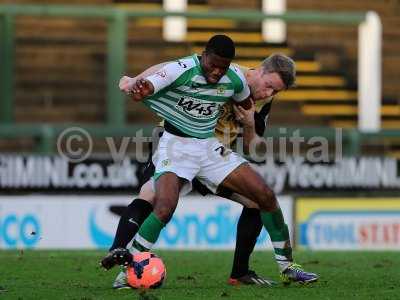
{"points": [[240, 272]]}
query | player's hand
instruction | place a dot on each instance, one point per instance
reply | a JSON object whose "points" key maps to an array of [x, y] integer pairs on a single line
{"points": [[245, 116], [126, 83], [141, 89]]}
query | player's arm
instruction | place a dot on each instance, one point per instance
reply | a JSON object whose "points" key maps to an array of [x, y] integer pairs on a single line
{"points": [[244, 109], [154, 83], [254, 124], [247, 118], [246, 104], [261, 118], [126, 83], [241, 95]]}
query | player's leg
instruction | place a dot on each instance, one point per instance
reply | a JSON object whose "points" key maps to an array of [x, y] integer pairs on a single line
{"points": [[167, 194], [177, 163], [133, 217], [148, 229], [139, 209], [220, 164], [226, 169], [176, 166], [245, 181], [135, 214], [248, 229], [152, 226], [120, 282]]}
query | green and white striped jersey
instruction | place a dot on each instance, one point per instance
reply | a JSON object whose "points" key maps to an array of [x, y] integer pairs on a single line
{"points": [[183, 97]]}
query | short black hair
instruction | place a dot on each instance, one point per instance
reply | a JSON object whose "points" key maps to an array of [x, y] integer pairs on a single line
{"points": [[221, 45]]}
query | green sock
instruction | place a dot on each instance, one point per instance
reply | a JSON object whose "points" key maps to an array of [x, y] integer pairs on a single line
{"points": [[278, 231], [148, 234]]}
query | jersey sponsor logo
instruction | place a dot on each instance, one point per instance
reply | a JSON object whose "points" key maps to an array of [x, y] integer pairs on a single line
{"points": [[197, 108]]}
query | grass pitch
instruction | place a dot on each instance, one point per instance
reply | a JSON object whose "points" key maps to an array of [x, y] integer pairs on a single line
{"points": [[198, 275]]}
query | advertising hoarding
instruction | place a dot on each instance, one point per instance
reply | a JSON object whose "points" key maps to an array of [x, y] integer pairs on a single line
{"points": [[348, 224], [89, 222]]}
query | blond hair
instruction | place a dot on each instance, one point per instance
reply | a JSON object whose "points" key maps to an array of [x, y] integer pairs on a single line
{"points": [[283, 65]]}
